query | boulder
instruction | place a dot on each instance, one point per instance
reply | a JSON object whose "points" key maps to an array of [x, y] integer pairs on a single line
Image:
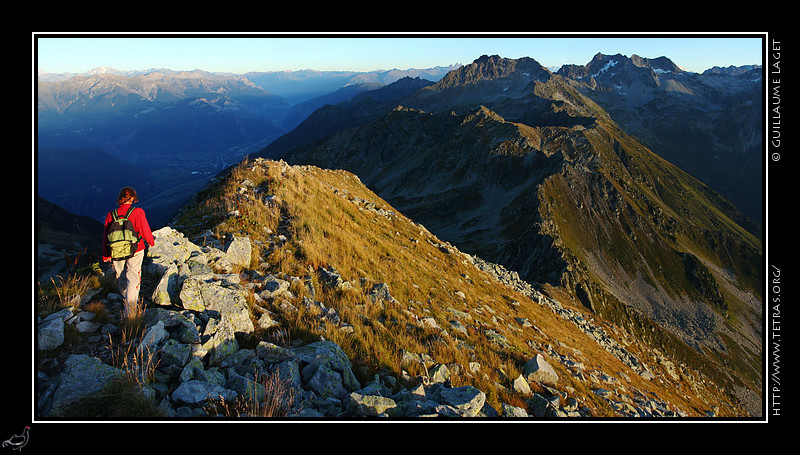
{"points": [[539, 406], [179, 325], [439, 373], [246, 387], [537, 369], [521, 386], [325, 382], [152, 338], [174, 353], [272, 353], [171, 246], [273, 287], [82, 376], [513, 411], [320, 360], [190, 296], [222, 343], [465, 401], [369, 405], [380, 293], [265, 321], [50, 331], [330, 278], [225, 303], [50, 334], [289, 371], [229, 303], [193, 392], [168, 288], [238, 252]]}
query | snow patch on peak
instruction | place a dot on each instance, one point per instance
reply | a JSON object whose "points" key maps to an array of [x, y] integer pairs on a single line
{"points": [[606, 67]]}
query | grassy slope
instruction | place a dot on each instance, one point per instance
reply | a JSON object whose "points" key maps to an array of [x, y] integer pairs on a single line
{"points": [[626, 223], [325, 227], [658, 213]]}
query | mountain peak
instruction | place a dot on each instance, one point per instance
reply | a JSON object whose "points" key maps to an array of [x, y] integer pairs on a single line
{"points": [[659, 64], [486, 68], [105, 70], [603, 66]]}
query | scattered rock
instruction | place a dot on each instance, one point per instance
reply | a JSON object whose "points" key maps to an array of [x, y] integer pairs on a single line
{"points": [[380, 293], [193, 392], [369, 405], [50, 333], [201, 317], [330, 278], [521, 386], [273, 287], [238, 252], [465, 401], [537, 369]]}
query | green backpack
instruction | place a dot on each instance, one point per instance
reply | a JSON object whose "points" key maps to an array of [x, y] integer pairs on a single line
{"points": [[122, 237]]}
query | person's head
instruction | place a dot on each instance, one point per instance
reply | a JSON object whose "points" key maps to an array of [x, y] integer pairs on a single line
{"points": [[127, 195]]}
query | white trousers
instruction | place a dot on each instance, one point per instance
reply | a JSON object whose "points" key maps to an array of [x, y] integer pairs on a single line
{"points": [[130, 282]]}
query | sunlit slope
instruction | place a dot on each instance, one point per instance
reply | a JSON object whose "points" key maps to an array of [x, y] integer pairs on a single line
{"points": [[564, 196], [307, 220]]}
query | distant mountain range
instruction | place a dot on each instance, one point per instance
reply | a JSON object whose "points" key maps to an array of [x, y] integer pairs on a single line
{"points": [[708, 124], [174, 130]]}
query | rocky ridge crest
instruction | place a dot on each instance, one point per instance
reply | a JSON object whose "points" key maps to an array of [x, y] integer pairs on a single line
{"points": [[200, 327]]}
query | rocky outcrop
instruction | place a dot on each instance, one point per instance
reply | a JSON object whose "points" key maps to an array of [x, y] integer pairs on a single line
{"points": [[82, 376], [198, 333]]}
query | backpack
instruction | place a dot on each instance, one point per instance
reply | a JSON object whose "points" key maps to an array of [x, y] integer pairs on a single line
{"points": [[122, 237]]}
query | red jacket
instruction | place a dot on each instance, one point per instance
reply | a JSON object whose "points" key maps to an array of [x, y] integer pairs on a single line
{"points": [[139, 221]]}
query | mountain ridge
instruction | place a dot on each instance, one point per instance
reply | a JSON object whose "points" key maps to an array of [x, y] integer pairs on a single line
{"points": [[325, 262], [708, 124], [631, 229], [562, 157], [178, 128]]}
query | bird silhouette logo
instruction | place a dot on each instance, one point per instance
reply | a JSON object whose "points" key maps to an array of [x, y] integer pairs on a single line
{"points": [[18, 441]]}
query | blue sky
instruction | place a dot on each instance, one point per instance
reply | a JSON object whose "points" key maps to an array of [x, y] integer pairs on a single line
{"points": [[257, 52]]}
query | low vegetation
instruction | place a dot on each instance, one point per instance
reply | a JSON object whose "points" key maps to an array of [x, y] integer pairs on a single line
{"points": [[122, 396]]}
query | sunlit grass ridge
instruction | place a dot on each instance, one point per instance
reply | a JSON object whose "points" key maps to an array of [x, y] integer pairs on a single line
{"points": [[303, 219]]}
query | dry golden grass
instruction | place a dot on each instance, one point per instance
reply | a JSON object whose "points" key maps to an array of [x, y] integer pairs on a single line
{"points": [[101, 313], [63, 292], [326, 225], [267, 396]]}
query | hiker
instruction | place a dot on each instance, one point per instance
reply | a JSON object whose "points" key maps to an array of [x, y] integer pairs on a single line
{"points": [[126, 231]]}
